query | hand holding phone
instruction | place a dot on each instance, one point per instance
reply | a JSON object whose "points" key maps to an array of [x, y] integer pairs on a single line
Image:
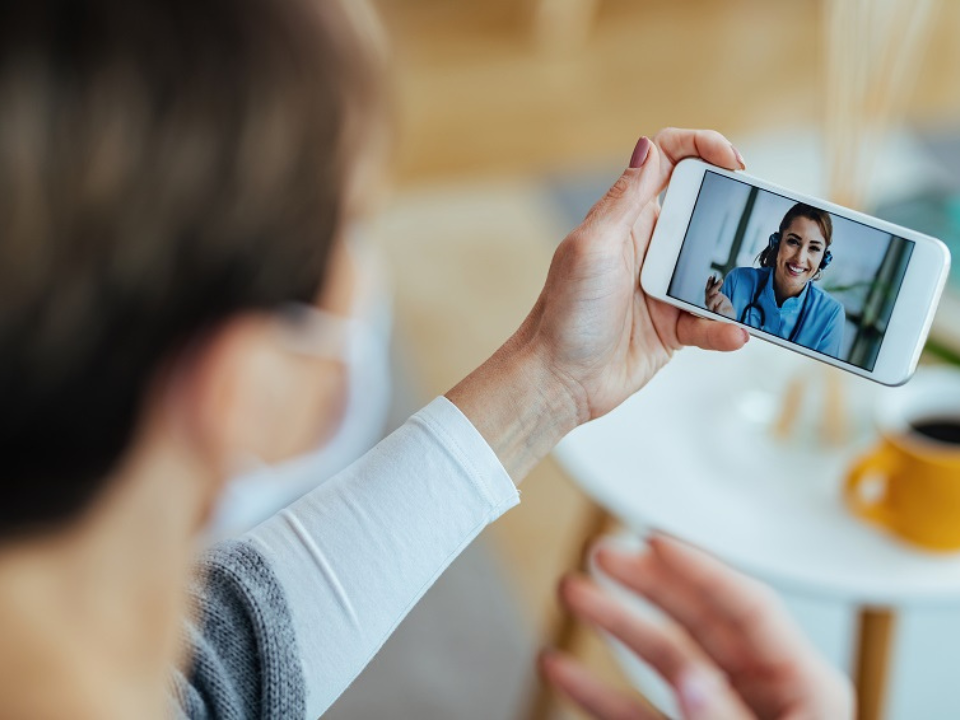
{"points": [[828, 282]]}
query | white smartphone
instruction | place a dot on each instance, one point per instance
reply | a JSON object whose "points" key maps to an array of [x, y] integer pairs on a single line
{"points": [[828, 282]]}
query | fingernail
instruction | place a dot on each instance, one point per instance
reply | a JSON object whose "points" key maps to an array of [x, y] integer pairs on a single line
{"points": [[746, 335], [743, 163], [640, 152], [696, 689]]}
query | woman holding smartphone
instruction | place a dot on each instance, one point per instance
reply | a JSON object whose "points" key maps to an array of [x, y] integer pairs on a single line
{"points": [[779, 297], [177, 175]]}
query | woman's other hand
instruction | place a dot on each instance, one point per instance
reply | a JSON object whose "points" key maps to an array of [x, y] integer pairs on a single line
{"points": [[715, 300], [729, 650]]}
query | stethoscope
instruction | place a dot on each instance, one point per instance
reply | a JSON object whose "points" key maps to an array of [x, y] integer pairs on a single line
{"points": [[754, 305]]}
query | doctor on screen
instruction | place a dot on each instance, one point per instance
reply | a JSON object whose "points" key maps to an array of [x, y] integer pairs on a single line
{"points": [[780, 297]]}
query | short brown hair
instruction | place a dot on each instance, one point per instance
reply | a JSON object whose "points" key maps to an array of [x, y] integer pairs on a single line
{"points": [[768, 256], [164, 164]]}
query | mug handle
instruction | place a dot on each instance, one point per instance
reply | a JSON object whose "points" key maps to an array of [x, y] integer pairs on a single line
{"points": [[881, 462]]}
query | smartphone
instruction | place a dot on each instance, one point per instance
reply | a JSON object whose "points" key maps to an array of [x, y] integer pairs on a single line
{"points": [[831, 283]]}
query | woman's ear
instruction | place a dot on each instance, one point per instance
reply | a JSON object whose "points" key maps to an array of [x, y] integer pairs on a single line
{"points": [[247, 394]]}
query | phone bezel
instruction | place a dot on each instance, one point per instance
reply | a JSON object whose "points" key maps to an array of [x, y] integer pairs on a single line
{"points": [[912, 314]]}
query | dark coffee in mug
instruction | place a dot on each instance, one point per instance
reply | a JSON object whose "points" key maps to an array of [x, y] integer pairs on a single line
{"points": [[915, 468], [943, 429]]}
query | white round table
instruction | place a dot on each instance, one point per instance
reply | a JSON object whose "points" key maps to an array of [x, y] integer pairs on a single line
{"points": [[693, 454]]}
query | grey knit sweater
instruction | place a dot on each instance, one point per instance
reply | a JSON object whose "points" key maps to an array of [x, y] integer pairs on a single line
{"points": [[289, 614], [244, 660]]}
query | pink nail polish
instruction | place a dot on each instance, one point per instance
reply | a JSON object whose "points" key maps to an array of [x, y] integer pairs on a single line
{"points": [[743, 164], [640, 152]]}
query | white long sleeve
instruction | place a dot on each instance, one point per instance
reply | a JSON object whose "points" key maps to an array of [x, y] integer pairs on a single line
{"points": [[354, 555]]}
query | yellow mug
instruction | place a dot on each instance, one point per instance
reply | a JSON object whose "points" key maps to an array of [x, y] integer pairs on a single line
{"points": [[915, 469]]}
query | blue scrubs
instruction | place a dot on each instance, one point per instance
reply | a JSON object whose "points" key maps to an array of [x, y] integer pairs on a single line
{"points": [[821, 321]]}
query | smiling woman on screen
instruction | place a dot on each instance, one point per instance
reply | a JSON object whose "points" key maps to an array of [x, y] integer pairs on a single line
{"points": [[779, 297]]}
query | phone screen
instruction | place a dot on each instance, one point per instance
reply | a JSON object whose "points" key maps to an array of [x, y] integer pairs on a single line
{"points": [[793, 270]]}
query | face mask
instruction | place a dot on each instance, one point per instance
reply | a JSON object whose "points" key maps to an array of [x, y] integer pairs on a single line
{"points": [[362, 343]]}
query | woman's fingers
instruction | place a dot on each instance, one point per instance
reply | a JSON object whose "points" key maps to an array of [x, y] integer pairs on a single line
{"points": [[738, 601], [667, 649], [593, 696], [737, 629], [627, 197], [678, 143], [732, 617], [702, 689], [669, 147], [713, 301], [648, 575], [709, 334], [710, 292], [712, 297]]}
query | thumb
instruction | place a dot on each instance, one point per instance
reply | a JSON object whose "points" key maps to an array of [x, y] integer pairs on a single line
{"points": [[633, 190]]}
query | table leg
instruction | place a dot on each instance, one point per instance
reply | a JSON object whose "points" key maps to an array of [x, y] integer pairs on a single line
{"points": [[567, 633], [875, 639]]}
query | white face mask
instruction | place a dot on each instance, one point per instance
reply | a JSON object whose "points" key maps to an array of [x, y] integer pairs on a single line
{"points": [[362, 344]]}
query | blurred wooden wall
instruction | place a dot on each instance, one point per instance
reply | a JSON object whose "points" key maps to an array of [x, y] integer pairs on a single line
{"points": [[480, 92]]}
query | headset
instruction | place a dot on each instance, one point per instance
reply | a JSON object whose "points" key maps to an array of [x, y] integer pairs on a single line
{"points": [[773, 245]]}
